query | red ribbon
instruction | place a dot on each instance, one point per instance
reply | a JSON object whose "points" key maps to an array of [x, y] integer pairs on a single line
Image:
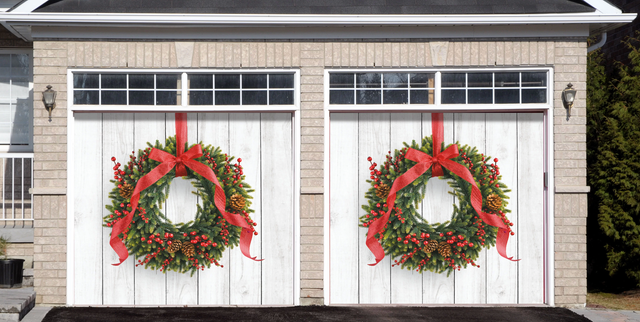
{"points": [[439, 160], [180, 162]]}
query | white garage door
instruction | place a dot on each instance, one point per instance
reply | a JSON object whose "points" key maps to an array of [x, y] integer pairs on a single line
{"points": [[262, 140], [516, 139]]}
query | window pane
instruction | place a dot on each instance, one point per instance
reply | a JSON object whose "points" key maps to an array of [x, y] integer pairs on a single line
{"points": [[395, 80], [534, 96], [505, 96], [254, 97], [141, 98], [85, 81], [422, 80], [281, 81], [141, 81], [166, 98], [422, 97], [227, 80], [86, 97], [396, 97], [201, 81], [480, 79], [368, 97], [280, 97], [201, 97], [453, 80], [340, 97], [480, 96], [453, 96], [337, 80], [368, 80], [228, 97], [507, 79], [254, 81], [114, 81], [114, 98], [19, 65], [534, 79], [167, 81]]}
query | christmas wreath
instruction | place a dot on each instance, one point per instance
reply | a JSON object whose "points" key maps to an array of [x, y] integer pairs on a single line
{"points": [[479, 219], [141, 187]]}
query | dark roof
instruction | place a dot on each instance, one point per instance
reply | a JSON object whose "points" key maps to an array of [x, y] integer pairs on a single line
{"points": [[319, 6]]}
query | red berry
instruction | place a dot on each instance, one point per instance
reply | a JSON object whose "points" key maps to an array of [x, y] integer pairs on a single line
{"points": [[113, 159], [368, 159], [406, 241], [239, 160]]}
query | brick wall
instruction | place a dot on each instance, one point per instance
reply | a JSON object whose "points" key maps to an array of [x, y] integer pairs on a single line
{"points": [[8, 40], [51, 60]]}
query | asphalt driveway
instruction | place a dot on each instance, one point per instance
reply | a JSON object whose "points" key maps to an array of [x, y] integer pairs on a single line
{"points": [[313, 313]]}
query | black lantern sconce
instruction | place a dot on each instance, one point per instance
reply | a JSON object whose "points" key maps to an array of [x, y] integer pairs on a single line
{"points": [[568, 96], [49, 100]]}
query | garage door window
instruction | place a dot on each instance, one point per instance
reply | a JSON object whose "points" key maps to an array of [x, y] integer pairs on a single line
{"points": [[169, 89]]}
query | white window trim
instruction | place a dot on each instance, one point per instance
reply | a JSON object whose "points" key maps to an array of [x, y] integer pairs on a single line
{"points": [[184, 107], [546, 109], [11, 148]]}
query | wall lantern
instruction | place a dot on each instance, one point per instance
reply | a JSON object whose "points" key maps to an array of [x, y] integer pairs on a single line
{"points": [[568, 96], [49, 100]]}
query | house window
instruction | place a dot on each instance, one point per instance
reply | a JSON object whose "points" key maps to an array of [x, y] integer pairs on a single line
{"points": [[16, 102], [494, 87], [168, 89], [381, 88]]}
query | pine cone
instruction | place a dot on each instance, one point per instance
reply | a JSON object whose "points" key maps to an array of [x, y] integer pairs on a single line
{"points": [[237, 202], [175, 246], [444, 249], [494, 202], [431, 246], [126, 191], [382, 191], [188, 249]]}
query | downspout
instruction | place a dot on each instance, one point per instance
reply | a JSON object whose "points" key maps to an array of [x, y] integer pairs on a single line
{"points": [[599, 43]]}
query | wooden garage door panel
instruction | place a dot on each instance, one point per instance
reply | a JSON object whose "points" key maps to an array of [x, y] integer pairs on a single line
{"points": [[264, 141], [516, 139]]}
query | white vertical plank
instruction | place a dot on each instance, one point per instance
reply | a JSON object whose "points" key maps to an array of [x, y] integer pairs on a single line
{"points": [[406, 285], [213, 288], [118, 281], [344, 208], [181, 206], [150, 285], [502, 143], [374, 139], [470, 283], [88, 208], [277, 208], [438, 207], [530, 236], [245, 274]]}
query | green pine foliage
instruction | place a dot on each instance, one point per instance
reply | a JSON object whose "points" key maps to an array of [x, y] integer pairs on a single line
{"points": [[613, 161]]}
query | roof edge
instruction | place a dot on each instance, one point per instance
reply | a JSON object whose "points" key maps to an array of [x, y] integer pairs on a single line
{"points": [[604, 7], [28, 6]]}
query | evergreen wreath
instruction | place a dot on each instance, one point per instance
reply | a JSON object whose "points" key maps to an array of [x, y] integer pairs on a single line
{"points": [[182, 247], [412, 241]]}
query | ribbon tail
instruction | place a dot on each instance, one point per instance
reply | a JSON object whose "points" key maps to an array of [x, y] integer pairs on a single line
{"points": [[372, 242], [245, 244], [501, 244]]}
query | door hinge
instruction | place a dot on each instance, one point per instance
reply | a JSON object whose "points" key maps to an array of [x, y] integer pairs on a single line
{"points": [[545, 179]]}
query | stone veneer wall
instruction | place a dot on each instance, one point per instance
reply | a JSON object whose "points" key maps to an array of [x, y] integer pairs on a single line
{"points": [[568, 57]]}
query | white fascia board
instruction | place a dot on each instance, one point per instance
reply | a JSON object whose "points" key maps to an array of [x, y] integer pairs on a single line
{"points": [[309, 20], [604, 7]]}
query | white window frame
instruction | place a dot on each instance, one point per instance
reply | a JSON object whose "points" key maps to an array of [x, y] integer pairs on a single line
{"points": [[184, 107], [23, 148], [437, 107], [294, 110]]}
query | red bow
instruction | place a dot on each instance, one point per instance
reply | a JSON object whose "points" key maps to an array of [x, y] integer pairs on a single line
{"points": [[180, 162], [439, 160]]}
